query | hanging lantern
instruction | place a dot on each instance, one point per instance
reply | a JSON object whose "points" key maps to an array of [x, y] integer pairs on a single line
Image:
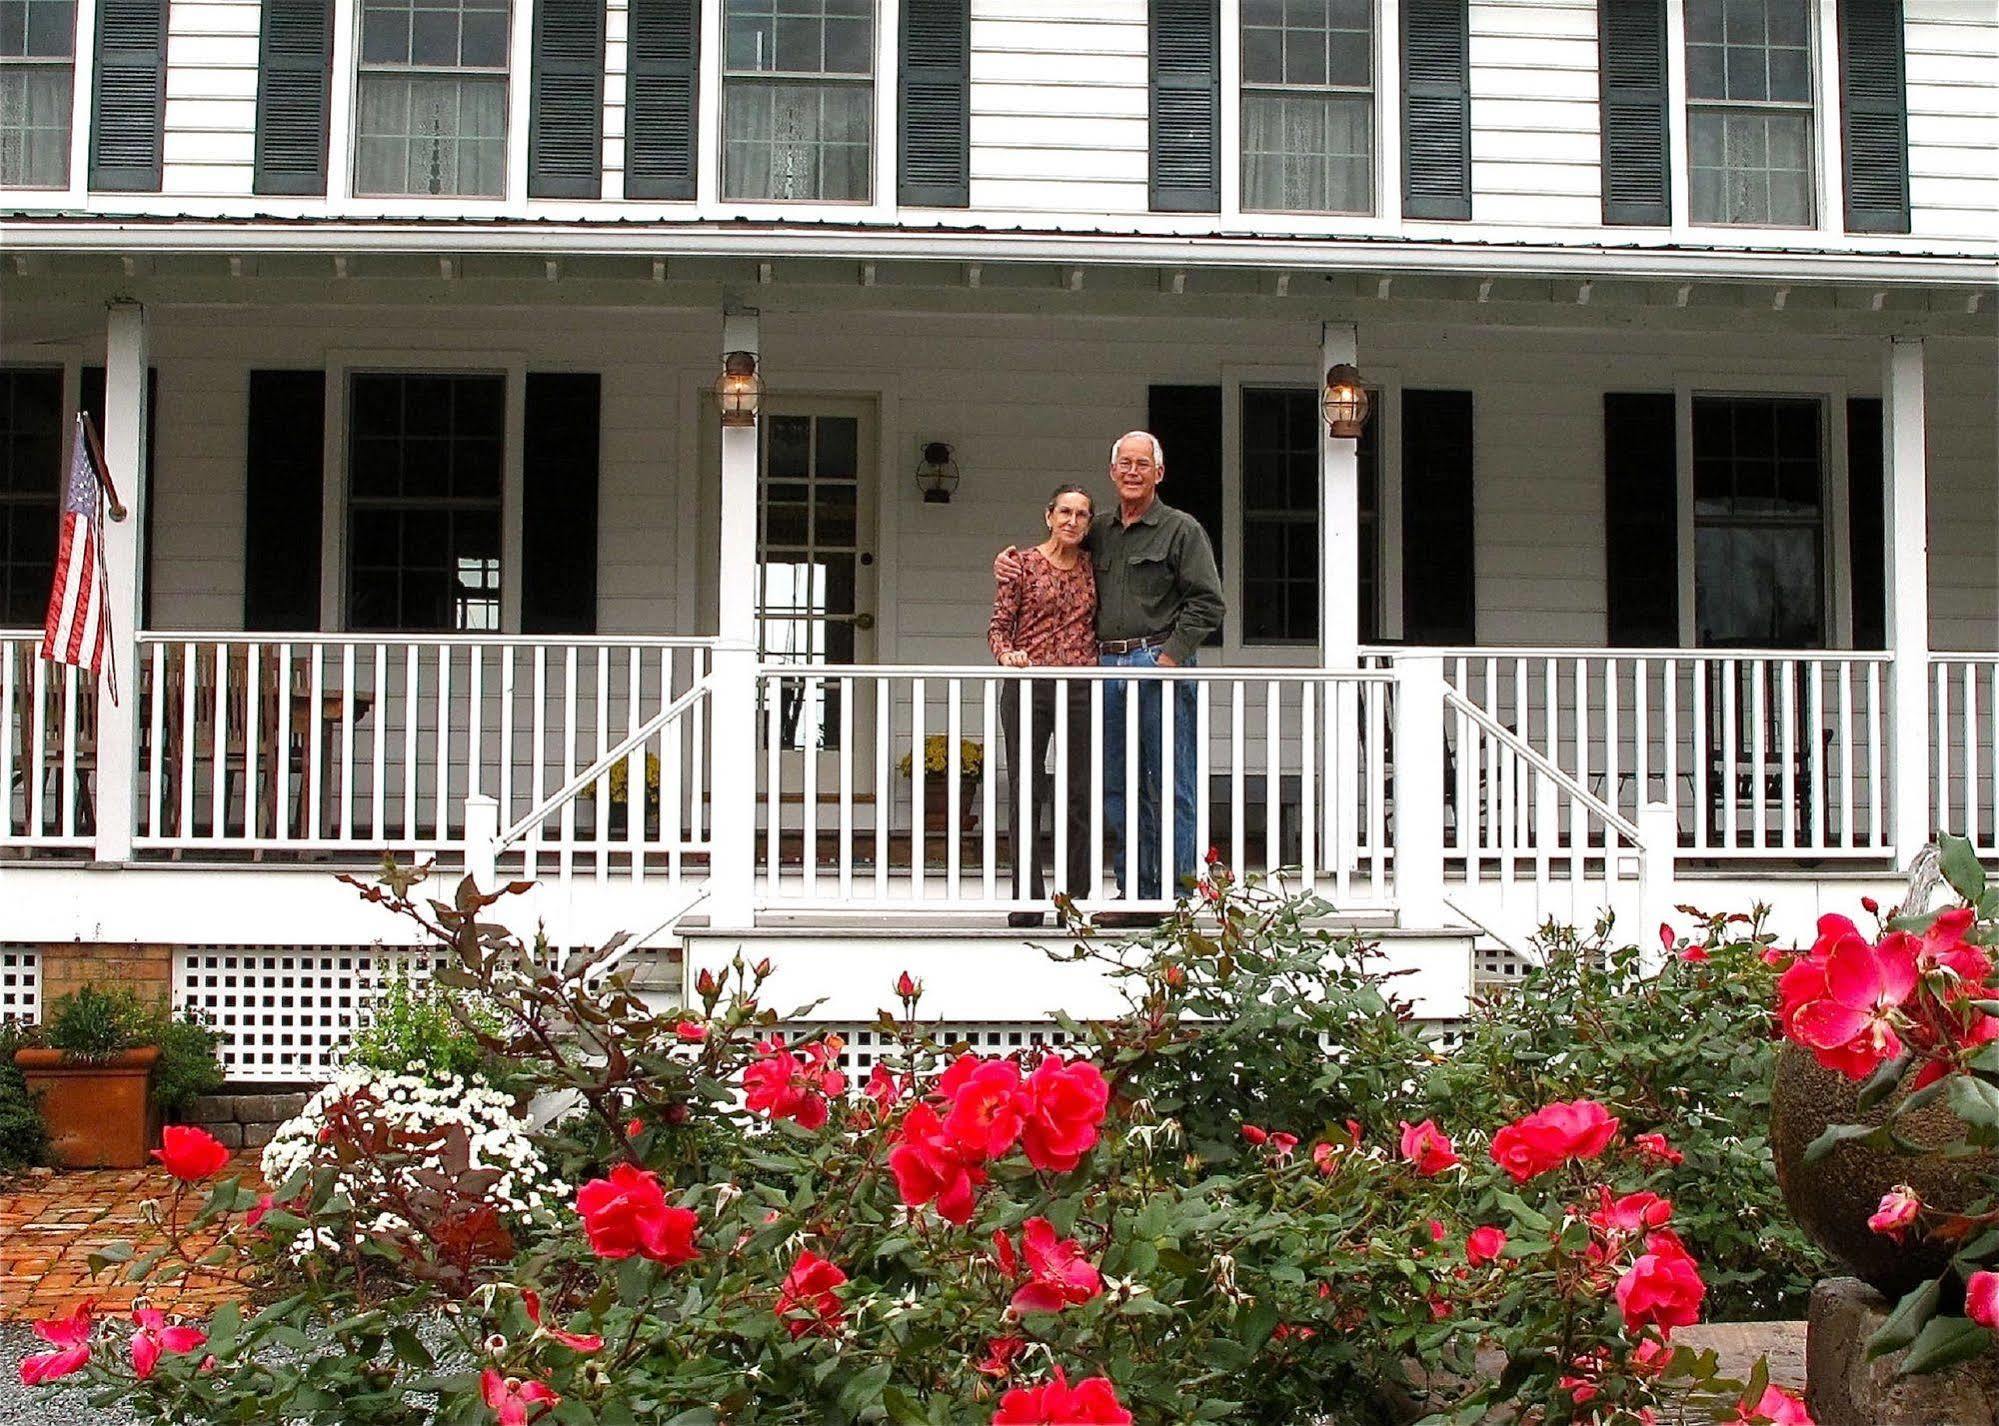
{"points": [[937, 473], [1345, 403], [738, 389]]}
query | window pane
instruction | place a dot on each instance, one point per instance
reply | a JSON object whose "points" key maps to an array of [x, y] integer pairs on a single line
{"points": [[1280, 527], [425, 135], [1758, 511], [788, 140], [34, 126], [1758, 587], [1750, 167], [1308, 153], [50, 30]]}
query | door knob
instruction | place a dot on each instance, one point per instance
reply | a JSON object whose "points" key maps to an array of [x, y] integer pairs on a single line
{"points": [[864, 621]]}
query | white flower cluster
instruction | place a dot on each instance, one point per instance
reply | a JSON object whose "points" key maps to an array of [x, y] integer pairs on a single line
{"points": [[496, 1139]]}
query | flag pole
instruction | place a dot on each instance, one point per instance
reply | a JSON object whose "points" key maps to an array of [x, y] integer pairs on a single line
{"points": [[101, 467]]}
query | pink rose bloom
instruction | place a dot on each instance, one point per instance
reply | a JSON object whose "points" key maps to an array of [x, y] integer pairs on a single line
{"points": [[1552, 1136], [1060, 1274], [1091, 1402], [70, 1336], [627, 1214], [513, 1401], [986, 1111], [1428, 1148], [1981, 1300], [1897, 1212], [1776, 1407], [1065, 1105], [1484, 1246], [929, 1167], [1663, 1288], [155, 1337]]}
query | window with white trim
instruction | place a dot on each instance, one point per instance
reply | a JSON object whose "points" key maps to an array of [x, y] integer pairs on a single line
{"points": [[430, 114], [37, 72], [423, 501], [1749, 112], [1759, 522], [798, 100], [1308, 106]]}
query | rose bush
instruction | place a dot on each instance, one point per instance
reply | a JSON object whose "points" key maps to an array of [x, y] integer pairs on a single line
{"points": [[1091, 1235]]}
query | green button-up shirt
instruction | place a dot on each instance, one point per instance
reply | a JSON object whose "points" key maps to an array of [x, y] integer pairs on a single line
{"points": [[1156, 575]]}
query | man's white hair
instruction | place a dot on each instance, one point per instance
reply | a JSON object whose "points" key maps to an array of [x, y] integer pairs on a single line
{"points": [[1158, 451]]}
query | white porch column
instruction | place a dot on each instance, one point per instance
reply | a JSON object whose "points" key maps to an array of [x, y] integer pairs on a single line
{"points": [[125, 363], [1905, 493], [733, 817], [1339, 518]]}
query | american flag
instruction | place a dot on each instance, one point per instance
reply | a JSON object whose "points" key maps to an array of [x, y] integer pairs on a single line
{"points": [[79, 609]]}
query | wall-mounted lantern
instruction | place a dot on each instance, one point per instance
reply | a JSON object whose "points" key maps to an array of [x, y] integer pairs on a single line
{"points": [[937, 473], [1345, 402], [738, 389]]}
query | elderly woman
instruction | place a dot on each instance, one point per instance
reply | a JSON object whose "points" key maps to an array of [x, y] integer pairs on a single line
{"points": [[1044, 615]]}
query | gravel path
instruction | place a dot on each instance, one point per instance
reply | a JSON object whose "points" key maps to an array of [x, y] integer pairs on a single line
{"points": [[42, 1405]]}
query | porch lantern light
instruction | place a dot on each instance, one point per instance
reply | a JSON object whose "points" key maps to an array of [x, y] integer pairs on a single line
{"points": [[1345, 402], [937, 473], [738, 389]]}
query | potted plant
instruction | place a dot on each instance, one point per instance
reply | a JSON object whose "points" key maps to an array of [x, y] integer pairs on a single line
{"points": [[621, 794], [936, 784], [105, 1068]]}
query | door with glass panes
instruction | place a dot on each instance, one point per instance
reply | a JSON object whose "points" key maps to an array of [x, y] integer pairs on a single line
{"points": [[815, 595]]}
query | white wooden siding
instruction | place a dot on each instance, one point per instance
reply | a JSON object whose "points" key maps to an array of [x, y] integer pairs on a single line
{"points": [[1536, 148], [211, 112], [1953, 91]]}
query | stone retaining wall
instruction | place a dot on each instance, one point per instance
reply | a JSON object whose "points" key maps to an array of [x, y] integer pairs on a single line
{"points": [[244, 1121]]}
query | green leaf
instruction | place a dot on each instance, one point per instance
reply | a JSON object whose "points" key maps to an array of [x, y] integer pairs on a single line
{"points": [[1253, 1328], [1882, 1082], [1974, 1101], [1514, 1204], [1960, 867], [1832, 1138], [865, 1390], [1944, 1342], [1916, 1308], [900, 1408]]}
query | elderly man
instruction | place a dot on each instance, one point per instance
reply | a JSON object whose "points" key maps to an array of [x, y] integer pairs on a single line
{"points": [[1159, 597]]}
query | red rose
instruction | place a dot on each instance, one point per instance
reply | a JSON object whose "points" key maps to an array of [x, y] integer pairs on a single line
{"points": [[1654, 1146], [1484, 1246], [1060, 1274], [784, 1085], [513, 1401], [1255, 1135], [1065, 1105], [1551, 1136], [627, 1214], [1326, 1159], [986, 1109], [264, 1204], [930, 1167], [191, 1154], [691, 1032], [1000, 1352], [70, 1336], [809, 1288], [1840, 1001], [907, 987], [1428, 1148], [155, 1337], [1091, 1402], [575, 1341], [1981, 1300], [1663, 1288], [1897, 1213], [1282, 1144], [1633, 1213], [1776, 1407]]}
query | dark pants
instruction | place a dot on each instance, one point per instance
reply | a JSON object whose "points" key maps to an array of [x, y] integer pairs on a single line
{"points": [[1028, 844]]}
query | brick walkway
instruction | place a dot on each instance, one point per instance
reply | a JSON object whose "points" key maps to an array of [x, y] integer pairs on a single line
{"points": [[50, 1223]]}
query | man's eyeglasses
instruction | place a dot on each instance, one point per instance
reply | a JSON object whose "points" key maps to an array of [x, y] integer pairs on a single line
{"points": [[1133, 465]]}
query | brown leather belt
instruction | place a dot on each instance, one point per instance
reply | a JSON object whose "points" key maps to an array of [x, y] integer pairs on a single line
{"points": [[1128, 646]]}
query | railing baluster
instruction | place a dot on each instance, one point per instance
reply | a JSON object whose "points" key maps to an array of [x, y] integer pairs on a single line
{"points": [[412, 715], [884, 799], [1238, 850], [1203, 777], [1308, 812], [916, 795], [954, 787], [350, 711], [638, 788], [1098, 780], [253, 736], [378, 825], [1273, 778], [989, 697], [810, 718], [773, 689], [845, 685], [18, 719], [1940, 812]]}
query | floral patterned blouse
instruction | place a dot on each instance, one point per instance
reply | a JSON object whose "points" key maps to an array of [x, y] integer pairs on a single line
{"points": [[1049, 614]]}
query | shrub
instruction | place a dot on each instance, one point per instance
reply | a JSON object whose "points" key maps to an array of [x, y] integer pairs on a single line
{"points": [[418, 1029], [95, 1024], [187, 1067], [1687, 1052], [23, 1139]]}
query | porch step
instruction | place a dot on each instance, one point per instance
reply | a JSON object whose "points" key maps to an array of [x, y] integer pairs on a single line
{"points": [[983, 972]]}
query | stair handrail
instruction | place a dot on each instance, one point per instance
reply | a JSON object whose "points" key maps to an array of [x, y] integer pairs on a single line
{"points": [[574, 787], [1535, 759]]}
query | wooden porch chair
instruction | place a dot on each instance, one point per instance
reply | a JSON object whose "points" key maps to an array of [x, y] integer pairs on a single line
{"points": [[209, 741], [82, 759], [1811, 750]]}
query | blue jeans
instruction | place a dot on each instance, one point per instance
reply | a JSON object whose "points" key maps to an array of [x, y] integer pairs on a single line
{"points": [[1151, 773]]}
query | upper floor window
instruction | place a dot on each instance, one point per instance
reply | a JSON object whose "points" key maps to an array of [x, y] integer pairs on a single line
{"points": [[1308, 105], [797, 99], [423, 501], [37, 65], [431, 114], [1749, 111]]}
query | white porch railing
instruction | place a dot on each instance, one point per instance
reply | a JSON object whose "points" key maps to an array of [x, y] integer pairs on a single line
{"points": [[48, 747], [1291, 768], [352, 743], [1964, 745], [1757, 754]]}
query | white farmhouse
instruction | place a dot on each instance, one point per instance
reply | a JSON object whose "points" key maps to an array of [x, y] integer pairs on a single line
{"points": [[1665, 568]]}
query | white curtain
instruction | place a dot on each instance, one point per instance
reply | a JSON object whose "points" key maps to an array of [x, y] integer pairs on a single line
{"points": [[34, 126], [431, 135], [1307, 153], [791, 141]]}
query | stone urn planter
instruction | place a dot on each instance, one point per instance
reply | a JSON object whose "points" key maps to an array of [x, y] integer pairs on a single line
{"points": [[99, 1112], [1831, 1199], [937, 805]]}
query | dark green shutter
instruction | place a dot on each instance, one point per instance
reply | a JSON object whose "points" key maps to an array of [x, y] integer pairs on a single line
{"points": [[559, 503], [1631, 52], [1866, 521], [1186, 109], [660, 92], [294, 85], [129, 96], [1641, 520], [1436, 109], [566, 112], [1439, 584], [1874, 115], [935, 124], [90, 400], [284, 489]]}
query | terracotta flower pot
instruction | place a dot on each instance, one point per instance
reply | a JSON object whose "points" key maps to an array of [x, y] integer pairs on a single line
{"points": [[1832, 1199], [937, 804], [99, 1113]]}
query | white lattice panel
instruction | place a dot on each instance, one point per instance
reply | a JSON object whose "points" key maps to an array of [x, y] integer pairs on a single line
{"points": [[1496, 964], [864, 1043], [287, 1013], [20, 984]]}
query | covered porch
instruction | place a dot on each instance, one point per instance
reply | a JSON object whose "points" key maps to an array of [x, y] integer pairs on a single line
{"points": [[686, 675]]}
